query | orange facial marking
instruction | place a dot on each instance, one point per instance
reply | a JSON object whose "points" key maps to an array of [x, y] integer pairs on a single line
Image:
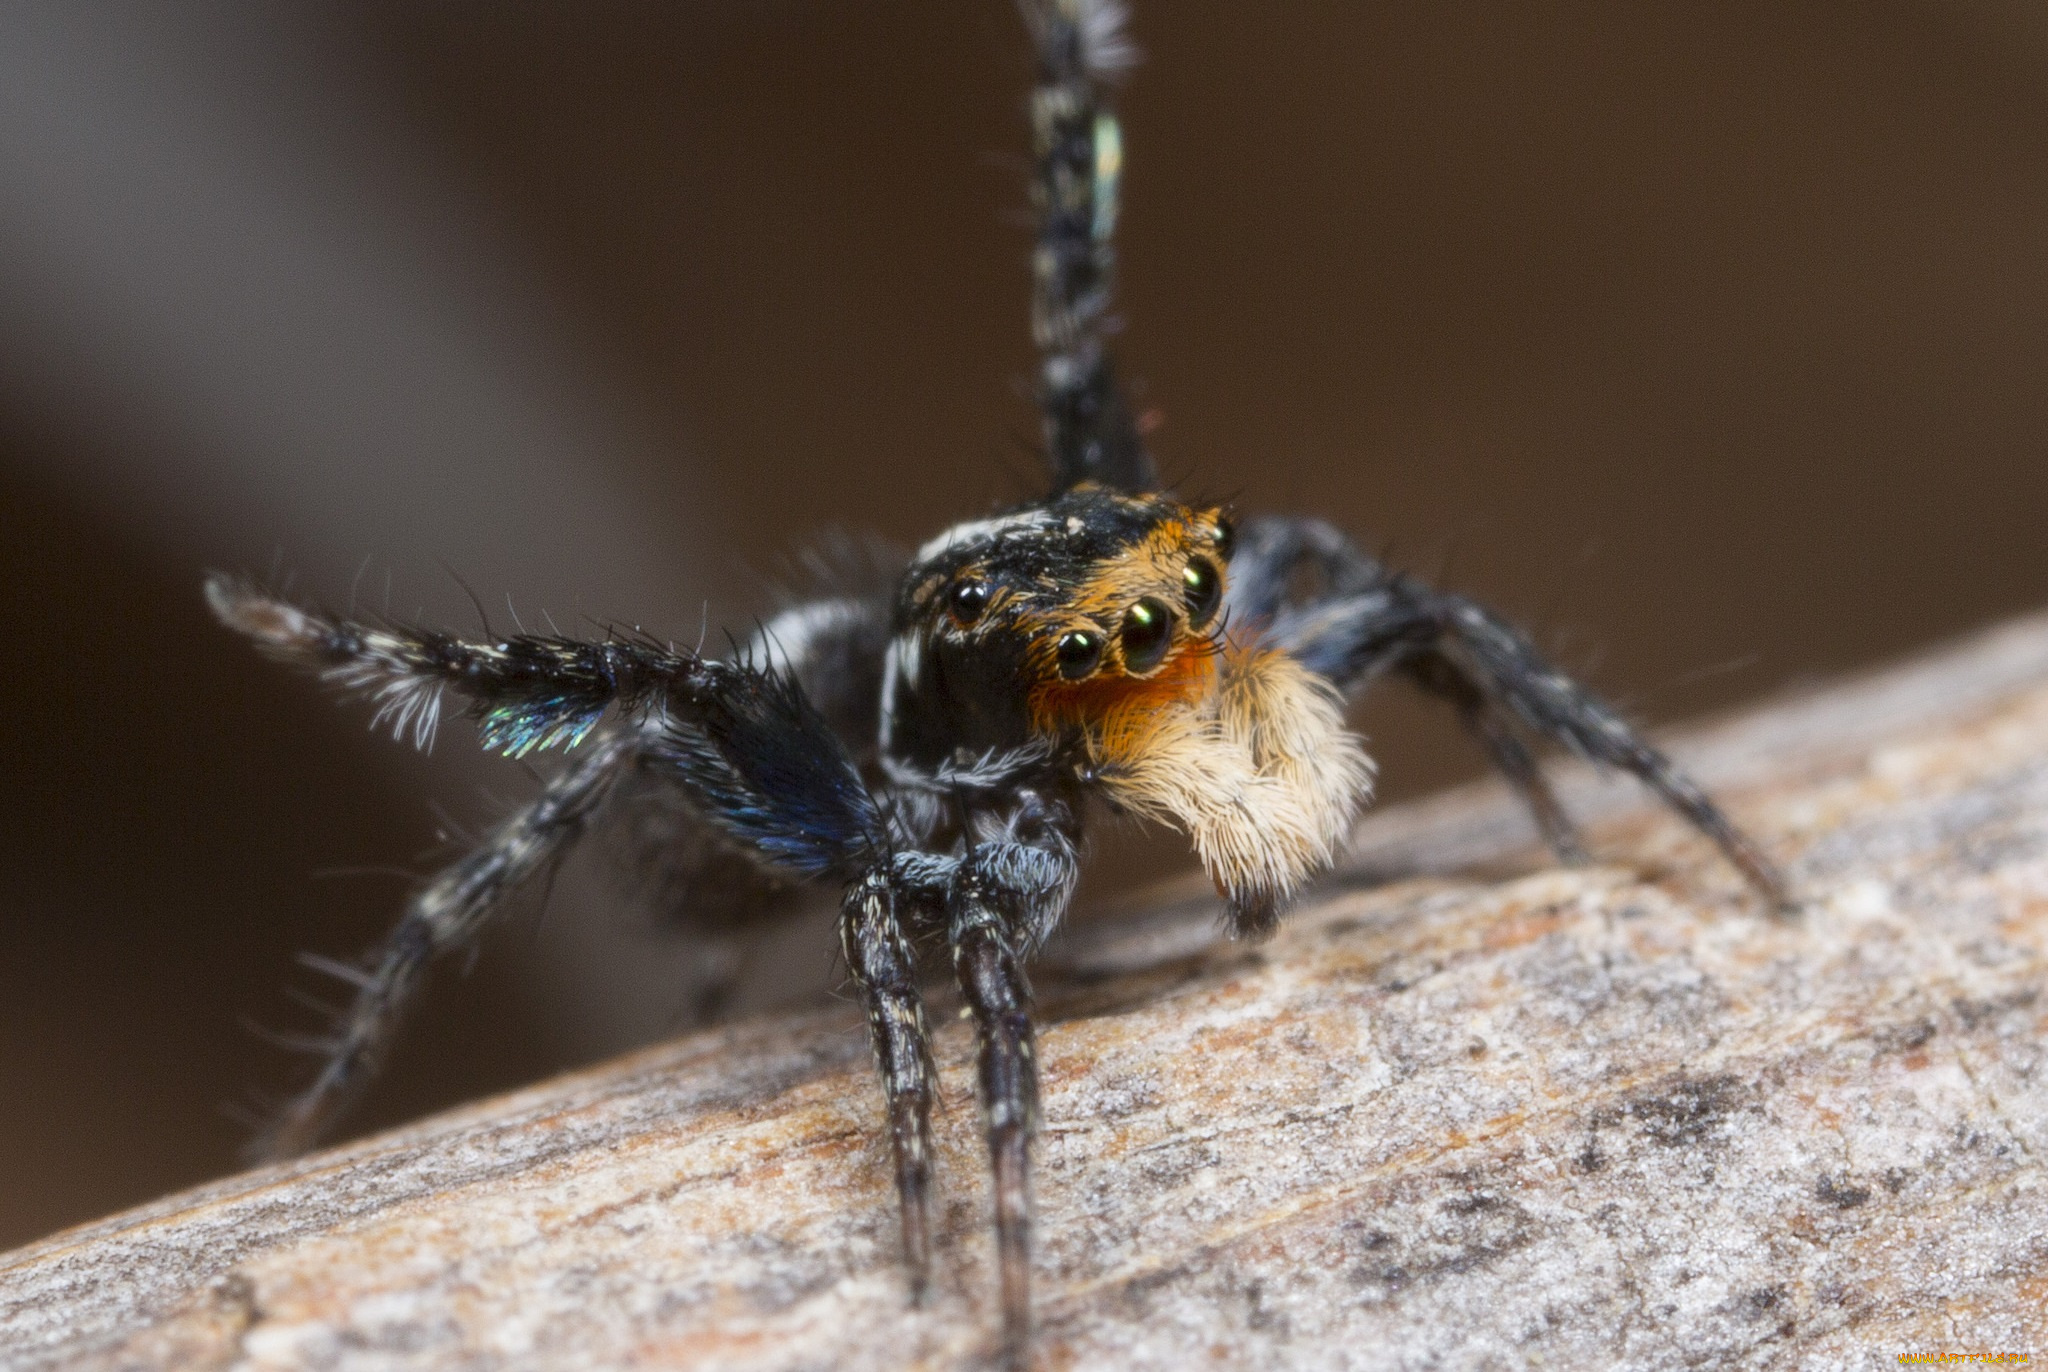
{"points": [[1154, 567], [1188, 674], [1151, 567]]}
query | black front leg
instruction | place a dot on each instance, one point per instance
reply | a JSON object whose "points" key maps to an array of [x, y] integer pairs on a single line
{"points": [[998, 902], [884, 966], [992, 979], [1360, 622], [1488, 723]]}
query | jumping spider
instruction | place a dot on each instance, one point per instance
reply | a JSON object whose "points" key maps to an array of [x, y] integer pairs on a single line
{"points": [[933, 751]]}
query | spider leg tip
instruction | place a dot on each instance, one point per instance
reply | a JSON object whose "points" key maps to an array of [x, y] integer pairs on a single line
{"points": [[1014, 1354], [917, 1250]]}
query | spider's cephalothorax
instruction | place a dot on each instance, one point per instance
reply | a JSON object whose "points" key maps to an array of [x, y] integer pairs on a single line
{"points": [[931, 753], [1086, 634]]}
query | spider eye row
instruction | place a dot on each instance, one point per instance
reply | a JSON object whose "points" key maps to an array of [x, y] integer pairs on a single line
{"points": [[1146, 632], [1144, 635]]}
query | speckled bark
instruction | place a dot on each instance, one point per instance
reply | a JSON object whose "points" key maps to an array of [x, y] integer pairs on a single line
{"points": [[1464, 1112]]}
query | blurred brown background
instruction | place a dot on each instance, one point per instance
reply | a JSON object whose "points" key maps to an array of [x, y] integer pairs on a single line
{"points": [[1708, 339]]}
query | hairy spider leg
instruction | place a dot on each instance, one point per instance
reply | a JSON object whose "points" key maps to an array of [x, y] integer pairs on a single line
{"points": [[761, 763], [883, 963], [527, 693], [1090, 433], [993, 907], [1510, 757], [741, 742], [1002, 902], [1374, 621], [447, 913], [1277, 555], [990, 971], [994, 903]]}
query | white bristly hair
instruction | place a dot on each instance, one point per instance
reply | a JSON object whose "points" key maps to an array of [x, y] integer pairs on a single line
{"points": [[1261, 774], [982, 531], [1106, 47]]}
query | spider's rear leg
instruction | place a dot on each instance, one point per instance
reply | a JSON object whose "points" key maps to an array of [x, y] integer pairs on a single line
{"points": [[1507, 669], [1462, 650], [446, 914]]}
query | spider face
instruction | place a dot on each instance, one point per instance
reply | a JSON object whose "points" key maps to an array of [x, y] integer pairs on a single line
{"points": [[1041, 623]]}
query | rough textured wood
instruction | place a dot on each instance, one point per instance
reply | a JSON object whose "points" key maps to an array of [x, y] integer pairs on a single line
{"points": [[1464, 1111]]}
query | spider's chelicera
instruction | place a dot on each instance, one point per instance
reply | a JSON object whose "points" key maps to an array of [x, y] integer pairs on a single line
{"points": [[933, 751]]}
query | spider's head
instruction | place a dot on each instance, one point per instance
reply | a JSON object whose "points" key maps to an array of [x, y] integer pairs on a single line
{"points": [[1040, 622], [1093, 622]]}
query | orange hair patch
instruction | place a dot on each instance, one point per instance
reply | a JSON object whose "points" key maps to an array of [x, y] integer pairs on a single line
{"points": [[1188, 675]]}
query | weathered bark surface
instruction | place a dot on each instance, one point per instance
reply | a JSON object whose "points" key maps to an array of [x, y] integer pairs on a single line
{"points": [[1465, 1111]]}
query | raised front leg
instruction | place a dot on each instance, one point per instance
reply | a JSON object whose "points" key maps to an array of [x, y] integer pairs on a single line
{"points": [[1090, 432]]}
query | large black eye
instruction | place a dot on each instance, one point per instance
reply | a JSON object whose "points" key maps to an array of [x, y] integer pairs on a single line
{"points": [[967, 601], [1226, 537], [1078, 652], [1148, 629], [1202, 588]]}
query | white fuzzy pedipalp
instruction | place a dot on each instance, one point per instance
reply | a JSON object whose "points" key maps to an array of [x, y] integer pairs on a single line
{"points": [[1261, 774]]}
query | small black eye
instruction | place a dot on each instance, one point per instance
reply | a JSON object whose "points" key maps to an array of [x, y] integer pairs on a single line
{"points": [[1148, 629], [967, 601], [1226, 537], [1203, 589], [1078, 652]]}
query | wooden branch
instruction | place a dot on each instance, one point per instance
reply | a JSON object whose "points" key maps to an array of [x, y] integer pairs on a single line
{"points": [[1466, 1110]]}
